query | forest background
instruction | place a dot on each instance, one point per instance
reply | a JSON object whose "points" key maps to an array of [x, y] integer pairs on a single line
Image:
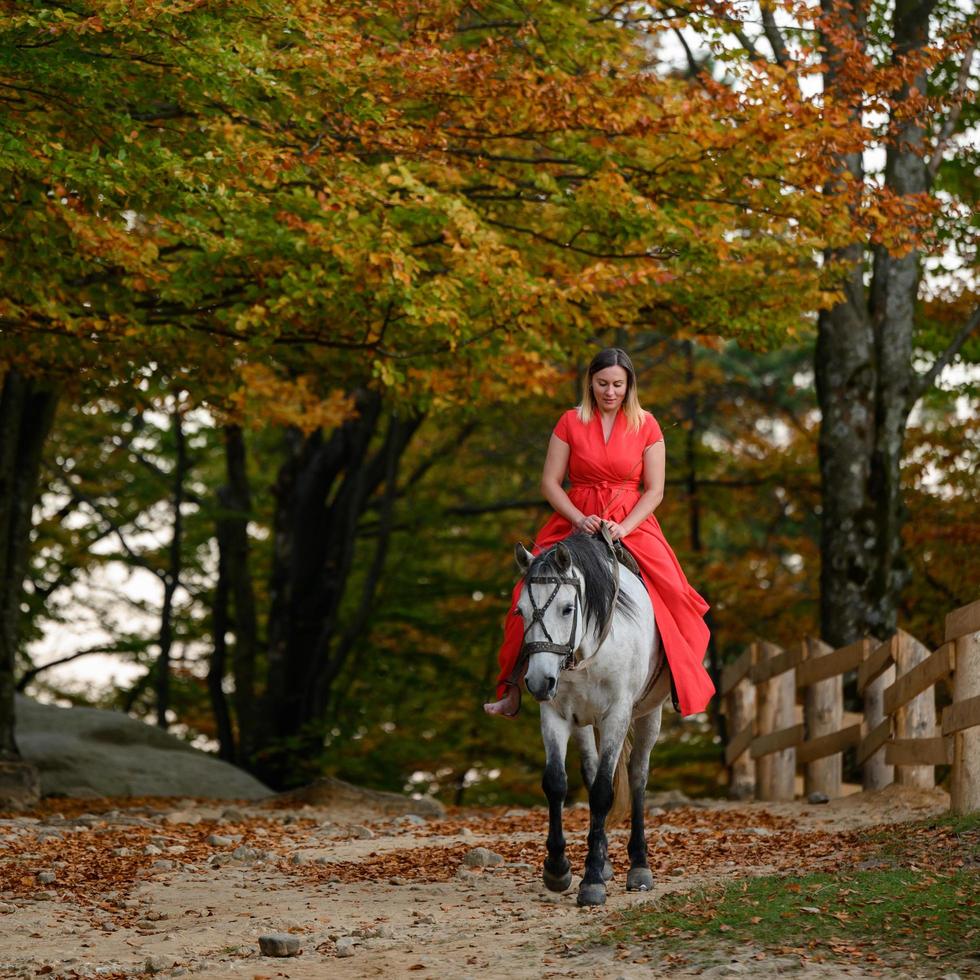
{"points": [[294, 294]]}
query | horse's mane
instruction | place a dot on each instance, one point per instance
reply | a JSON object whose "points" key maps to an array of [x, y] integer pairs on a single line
{"points": [[591, 557]]}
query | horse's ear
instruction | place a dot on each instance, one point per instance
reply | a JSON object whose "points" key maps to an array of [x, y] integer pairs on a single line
{"points": [[523, 557], [563, 558]]}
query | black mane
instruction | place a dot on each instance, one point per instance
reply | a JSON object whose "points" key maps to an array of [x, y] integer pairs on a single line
{"points": [[590, 556]]}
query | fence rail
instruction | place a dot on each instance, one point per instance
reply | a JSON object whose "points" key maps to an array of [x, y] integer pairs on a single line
{"points": [[785, 709]]}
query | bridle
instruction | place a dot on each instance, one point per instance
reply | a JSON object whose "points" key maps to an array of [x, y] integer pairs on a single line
{"points": [[568, 649]]}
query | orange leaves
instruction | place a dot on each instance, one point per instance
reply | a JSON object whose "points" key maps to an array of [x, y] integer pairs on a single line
{"points": [[266, 398]]}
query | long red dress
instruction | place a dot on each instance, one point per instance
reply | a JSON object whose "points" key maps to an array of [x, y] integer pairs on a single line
{"points": [[605, 480]]}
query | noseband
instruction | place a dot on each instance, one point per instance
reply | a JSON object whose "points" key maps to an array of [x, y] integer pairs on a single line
{"points": [[567, 649]]}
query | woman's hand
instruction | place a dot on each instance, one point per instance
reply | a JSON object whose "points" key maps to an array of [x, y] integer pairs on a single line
{"points": [[590, 523], [616, 531]]}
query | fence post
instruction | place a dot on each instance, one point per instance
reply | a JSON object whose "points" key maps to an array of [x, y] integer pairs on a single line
{"points": [[875, 771], [963, 626], [776, 701], [740, 710], [917, 718], [823, 714]]}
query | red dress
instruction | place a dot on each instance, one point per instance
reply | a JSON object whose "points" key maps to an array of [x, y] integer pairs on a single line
{"points": [[605, 480]]}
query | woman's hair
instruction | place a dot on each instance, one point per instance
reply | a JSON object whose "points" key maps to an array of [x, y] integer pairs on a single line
{"points": [[612, 357]]}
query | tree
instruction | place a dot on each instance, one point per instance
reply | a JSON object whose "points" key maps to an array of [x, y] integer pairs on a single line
{"points": [[335, 220], [904, 72]]}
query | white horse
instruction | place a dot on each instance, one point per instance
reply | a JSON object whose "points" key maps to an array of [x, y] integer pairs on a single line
{"points": [[595, 665]]}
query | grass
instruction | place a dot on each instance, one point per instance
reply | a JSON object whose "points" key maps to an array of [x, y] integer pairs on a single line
{"points": [[914, 897]]}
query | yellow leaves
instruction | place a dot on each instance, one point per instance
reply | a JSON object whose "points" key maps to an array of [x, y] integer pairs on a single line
{"points": [[265, 398]]}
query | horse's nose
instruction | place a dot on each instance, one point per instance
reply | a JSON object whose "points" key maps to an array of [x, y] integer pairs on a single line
{"points": [[545, 689]]}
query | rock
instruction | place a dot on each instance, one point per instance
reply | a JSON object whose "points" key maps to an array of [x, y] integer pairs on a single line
{"points": [[362, 833], [345, 946], [216, 840], [83, 752], [517, 813], [6, 909], [152, 850], [670, 799], [176, 849], [410, 819], [46, 877], [481, 857], [333, 793], [181, 817], [298, 858], [757, 831], [818, 798], [163, 865], [122, 852], [232, 815], [279, 944], [158, 964], [244, 853], [20, 782]]}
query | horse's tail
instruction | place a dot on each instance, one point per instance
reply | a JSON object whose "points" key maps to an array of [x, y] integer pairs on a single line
{"points": [[621, 783]]}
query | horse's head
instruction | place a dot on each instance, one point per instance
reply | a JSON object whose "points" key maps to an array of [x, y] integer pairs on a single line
{"points": [[551, 606]]}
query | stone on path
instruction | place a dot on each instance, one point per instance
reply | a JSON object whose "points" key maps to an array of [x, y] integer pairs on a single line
{"points": [[345, 946], [158, 964], [481, 857], [279, 944]]}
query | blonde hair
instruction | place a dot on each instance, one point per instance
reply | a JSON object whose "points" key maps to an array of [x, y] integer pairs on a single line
{"points": [[612, 357]]}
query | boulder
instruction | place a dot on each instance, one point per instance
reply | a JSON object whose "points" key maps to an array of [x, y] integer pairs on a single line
{"points": [[335, 794], [89, 752]]}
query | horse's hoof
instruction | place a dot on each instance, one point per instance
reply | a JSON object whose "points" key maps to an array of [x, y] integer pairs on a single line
{"points": [[639, 880], [607, 871], [556, 883], [593, 894]]}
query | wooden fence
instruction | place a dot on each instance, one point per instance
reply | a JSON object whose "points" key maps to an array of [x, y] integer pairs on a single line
{"points": [[785, 708]]}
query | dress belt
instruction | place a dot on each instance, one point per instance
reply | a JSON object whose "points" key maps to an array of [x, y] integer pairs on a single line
{"points": [[607, 485]]}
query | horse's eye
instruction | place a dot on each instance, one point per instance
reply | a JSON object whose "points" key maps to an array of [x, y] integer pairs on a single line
{"points": [[567, 610]]}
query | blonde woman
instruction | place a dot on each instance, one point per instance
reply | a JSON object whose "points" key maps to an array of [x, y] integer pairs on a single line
{"points": [[613, 453]]}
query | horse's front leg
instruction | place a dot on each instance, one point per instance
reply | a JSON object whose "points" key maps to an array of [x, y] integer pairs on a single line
{"points": [[592, 891], [554, 732], [645, 733]]}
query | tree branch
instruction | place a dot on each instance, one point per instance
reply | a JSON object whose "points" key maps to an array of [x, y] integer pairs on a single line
{"points": [[926, 381], [774, 37], [29, 675], [946, 133]]}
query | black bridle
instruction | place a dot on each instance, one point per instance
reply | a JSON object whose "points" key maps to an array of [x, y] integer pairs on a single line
{"points": [[567, 649]]}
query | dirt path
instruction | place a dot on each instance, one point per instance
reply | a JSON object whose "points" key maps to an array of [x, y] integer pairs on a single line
{"points": [[187, 889]]}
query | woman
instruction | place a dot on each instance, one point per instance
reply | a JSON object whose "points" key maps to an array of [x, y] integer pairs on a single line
{"points": [[607, 447]]}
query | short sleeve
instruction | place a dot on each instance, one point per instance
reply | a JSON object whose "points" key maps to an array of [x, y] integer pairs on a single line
{"points": [[651, 431], [561, 429]]}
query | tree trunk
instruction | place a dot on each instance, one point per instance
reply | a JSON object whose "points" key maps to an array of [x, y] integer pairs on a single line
{"points": [[236, 502], [27, 411], [216, 667], [322, 490], [694, 531], [172, 580], [865, 376]]}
